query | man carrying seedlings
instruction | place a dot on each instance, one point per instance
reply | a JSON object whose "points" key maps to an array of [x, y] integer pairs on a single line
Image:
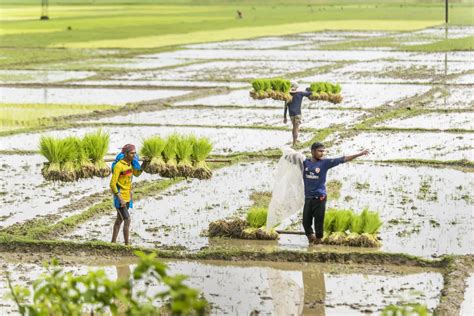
{"points": [[121, 185], [294, 107], [314, 172]]}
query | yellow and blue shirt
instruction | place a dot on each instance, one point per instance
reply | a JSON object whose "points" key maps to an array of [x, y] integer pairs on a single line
{"points": [[121, 182]]}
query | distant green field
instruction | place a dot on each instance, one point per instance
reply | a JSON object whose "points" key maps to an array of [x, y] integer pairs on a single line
{"points": [[157, 24]]}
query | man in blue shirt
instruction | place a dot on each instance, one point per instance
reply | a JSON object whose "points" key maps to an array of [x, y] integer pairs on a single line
{"points": [[314, 171], [294, 107]]}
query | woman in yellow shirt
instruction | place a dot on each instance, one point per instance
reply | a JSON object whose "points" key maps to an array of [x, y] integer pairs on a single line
{"points": [[121, 186]]}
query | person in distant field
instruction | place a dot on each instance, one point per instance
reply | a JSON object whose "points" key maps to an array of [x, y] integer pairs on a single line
{"points": [[294, 107], [125, 167], [314, 171]]}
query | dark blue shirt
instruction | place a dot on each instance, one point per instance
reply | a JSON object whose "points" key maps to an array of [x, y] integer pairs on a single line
{"points": [[294, 107], [314, 175]]}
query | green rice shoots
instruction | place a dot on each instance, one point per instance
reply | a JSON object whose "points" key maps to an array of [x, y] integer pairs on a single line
{"points": [[152, 150], [169, 153], [96, 145], [202, 147], [184, 151], [257, 216]]}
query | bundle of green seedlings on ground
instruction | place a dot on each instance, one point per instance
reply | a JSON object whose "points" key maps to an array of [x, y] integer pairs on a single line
{"points": [[201, 149], [232, 228], [277, 89], [325, 91], [184, 151], [71, 159], [53, 150], [342, 221], [257, 219], [152, 151], [84, 167], [96, 145], [362, 228], [169, 153]]}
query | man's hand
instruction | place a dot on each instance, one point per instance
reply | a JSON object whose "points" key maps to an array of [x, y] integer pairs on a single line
{"points": [[285, 120], [364, 152], [122, 202]]}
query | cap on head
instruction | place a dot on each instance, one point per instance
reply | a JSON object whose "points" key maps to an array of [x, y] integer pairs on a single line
{"points": [[317, 145], [128, 148], [294, 85]]}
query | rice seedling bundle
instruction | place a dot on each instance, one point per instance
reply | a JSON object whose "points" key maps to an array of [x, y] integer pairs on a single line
{"points": [[230, 228], [71, 156], [84, 167], [152, 150], [259, 234], [342, 223], [184, 151], [169, 153], [202, 147], [257, 217], [277, 89], [96, 145], [325, 91], [51, 149]]}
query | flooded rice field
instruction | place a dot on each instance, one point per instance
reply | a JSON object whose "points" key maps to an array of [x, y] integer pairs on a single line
{"points": [[316, 118], [42, 76], [203, 89], [98, 96], [410, 145], [434, 121], [160, 221], [268, 288], [27, 195], [355, 96], [224, 140], [225, 70]]}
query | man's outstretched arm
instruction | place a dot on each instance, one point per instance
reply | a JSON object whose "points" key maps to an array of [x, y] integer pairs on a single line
{"points": [[352, 157]]}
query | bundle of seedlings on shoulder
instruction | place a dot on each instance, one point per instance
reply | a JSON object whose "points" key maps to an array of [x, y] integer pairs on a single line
{"points": [[257, 219], [184, 151], [96, 145], [71, 156], [202, 147], [52, 149], [169, 153], [260, 87], [325, 91], [281, 89], [152, 150], [342, 223], [84, 167]]}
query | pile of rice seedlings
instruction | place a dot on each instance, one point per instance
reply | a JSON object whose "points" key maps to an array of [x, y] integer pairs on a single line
{"points": [[73, 158], [152, 150], [177, 156], [251, 228], [325, 91], [344, 227], [277, 89]]}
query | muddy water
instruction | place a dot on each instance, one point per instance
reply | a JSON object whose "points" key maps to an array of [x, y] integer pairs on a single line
{"points": [[225, 70], [225, 140], [468, 305], [186, 209], [409, 145], [116, 64], [307, 52], [456, 98], [425, 210], [26, 194], [395, 72], [161, 83], [441, 121], [355, 96], [83, 95], [273, 288], [464, 79], [41, 76], [314, 118], [259, 43]]}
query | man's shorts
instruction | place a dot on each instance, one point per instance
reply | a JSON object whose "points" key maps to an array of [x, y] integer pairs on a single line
{"points": [[296, 120], [123, 211]]}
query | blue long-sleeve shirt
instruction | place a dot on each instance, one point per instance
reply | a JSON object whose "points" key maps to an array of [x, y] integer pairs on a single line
{"points": [[294, 106]]}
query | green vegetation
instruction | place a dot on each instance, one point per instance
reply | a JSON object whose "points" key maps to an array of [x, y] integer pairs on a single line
{"points": [[62, 293], [325, 91], [18, 116], [408, 309], [152, 150], [202, 148], [169, 153], [72, 158], [257, 216], [276, 89], [362, 228]]}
